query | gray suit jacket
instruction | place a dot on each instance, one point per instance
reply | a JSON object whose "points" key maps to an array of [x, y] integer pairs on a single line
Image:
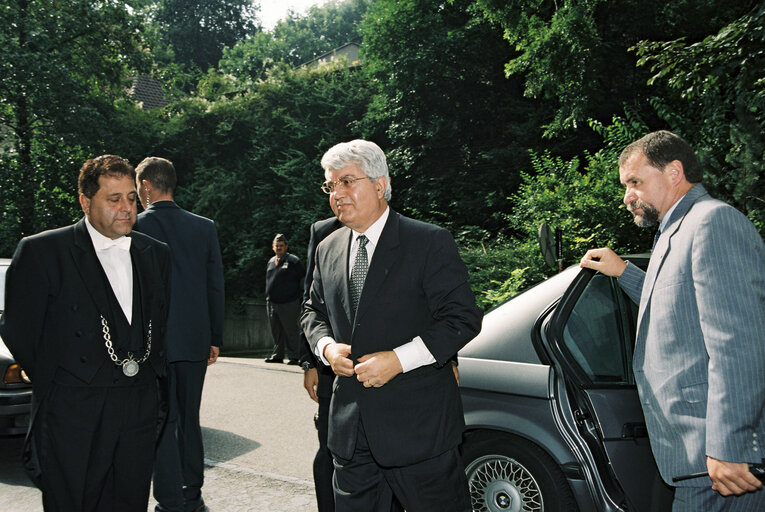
{"points": [[700, 350]]}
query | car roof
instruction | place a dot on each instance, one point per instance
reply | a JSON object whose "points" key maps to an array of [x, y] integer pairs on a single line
{"points": [[506, 331]]}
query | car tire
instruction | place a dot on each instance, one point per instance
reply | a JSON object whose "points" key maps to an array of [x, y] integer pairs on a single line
{"points": [[506, 474]]}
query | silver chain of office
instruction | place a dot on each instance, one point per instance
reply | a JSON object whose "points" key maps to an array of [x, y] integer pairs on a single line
{"points": [[129, 365]]}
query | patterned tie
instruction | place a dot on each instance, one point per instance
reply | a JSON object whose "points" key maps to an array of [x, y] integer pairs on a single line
{"points": [[655, 239], [359, 272]]}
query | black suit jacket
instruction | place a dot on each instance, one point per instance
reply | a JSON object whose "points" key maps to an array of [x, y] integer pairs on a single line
{"points": [[55, 294], [319, 231], [195, 319], [416, 285]]}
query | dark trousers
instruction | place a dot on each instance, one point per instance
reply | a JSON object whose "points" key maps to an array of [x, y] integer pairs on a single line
{"points": [[179, 466], [437, 484], [285, 328], [323, 467], [96, 447]]}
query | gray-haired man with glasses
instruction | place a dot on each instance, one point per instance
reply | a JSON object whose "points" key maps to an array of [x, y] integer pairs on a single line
{"points": [[389, 306]]}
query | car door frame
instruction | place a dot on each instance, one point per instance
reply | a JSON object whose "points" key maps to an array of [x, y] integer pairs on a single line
{"points": [[601, 422]]}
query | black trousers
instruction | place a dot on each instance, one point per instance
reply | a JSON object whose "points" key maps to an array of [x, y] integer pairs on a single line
{"points": [[323, 467], [179, 465], [437, 484], [95, 446]]}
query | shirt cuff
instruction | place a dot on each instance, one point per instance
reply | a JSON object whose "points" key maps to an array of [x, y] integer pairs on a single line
{"points": [[323, 342], [412, 355]]}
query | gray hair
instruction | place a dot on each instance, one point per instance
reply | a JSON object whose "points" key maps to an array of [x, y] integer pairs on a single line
{"points": [[367, 155]]}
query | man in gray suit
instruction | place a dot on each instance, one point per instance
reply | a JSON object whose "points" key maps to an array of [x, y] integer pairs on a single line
{"points": [[700, 347], [194, 331]]}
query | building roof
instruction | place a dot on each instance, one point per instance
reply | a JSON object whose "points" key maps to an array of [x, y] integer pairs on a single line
{"points": [[350, 51], [147, 92]]}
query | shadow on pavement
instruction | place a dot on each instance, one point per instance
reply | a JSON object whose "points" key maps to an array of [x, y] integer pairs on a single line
{"points": [[11, 469], [222, 446]]}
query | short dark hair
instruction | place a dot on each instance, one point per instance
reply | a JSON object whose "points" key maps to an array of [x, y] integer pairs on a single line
{"points": [[160, 172], [280, 238], [663, 147], [93, 168]]}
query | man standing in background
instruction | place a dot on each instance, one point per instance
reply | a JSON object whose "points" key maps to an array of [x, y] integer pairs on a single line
{"points": [[284, 292], [194, 331]]}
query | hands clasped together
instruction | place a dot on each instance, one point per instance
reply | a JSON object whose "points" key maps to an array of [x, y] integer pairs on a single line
{"points": [[373, 370]]}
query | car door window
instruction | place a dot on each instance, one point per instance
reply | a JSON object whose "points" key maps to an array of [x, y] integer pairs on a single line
{"points": [[596, 333]]}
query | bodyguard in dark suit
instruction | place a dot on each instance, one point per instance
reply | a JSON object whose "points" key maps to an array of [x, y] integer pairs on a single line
{"points": [[700, 344], [85, 315], [317, 379], [390, 305], [194, 331]]}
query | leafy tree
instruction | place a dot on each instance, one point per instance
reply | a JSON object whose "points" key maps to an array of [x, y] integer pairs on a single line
{"points": [[576, 53], [720, 96], [63, 64], [251, 161], [296, 39], [454, 128], [199, 30], [583, 200]]}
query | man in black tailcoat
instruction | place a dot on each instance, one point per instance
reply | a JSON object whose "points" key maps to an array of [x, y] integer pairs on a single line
{"points": [[85, 314]]}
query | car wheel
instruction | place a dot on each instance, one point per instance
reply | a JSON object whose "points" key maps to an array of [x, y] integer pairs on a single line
{"points": [[508, 475]]}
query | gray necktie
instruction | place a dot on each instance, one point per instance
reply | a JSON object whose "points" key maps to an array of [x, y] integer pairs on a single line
{"points": [[359, 272]]}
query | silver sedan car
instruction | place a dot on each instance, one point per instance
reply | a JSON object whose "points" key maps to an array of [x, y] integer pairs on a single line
{"points": [[553, 418]]}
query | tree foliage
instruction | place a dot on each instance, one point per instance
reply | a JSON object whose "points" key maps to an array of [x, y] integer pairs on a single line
{"points": [[720, 83], [455, 129], [251, 162], [495, 115], [576, 54], [63, 64], [296, 39], [199, 30]]}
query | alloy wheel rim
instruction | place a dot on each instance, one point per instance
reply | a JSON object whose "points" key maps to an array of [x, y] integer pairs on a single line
{"points": [[501, 484]]}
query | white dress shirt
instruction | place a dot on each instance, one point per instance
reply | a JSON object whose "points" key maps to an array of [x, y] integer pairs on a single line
{"points": [[411, 355], [114, 256]]}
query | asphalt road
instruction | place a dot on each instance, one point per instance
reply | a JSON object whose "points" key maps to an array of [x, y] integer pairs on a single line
{"points": [[257, 423]]}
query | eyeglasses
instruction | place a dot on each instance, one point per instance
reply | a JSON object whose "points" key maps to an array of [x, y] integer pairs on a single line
{"points": [[346, 181]]}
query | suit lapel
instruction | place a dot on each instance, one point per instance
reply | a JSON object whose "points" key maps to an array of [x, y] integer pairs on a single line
{"points": [[385, 256], [89, 267], [664, 245], [337, 271]]}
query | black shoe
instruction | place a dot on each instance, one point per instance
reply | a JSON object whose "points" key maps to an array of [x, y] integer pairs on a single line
{"points": [[293, 362], [274, 359]]}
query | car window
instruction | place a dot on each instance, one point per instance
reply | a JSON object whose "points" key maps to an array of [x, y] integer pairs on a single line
{"points": [[595, 333]]}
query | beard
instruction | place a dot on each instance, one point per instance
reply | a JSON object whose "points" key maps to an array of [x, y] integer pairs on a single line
{"points": [[650, 216]]}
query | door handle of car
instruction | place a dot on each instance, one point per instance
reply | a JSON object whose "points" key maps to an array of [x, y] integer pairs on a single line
{"points": [[634, 430]]}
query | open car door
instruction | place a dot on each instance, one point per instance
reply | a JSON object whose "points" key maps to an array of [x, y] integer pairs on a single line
{"points": [[589, 339]]}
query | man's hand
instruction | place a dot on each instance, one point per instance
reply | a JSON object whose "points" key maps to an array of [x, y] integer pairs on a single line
{"points": [[311, 383], [378, 368], [214, 353], [456, 370], [337, 355], [605, 261], [731, 478]]}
